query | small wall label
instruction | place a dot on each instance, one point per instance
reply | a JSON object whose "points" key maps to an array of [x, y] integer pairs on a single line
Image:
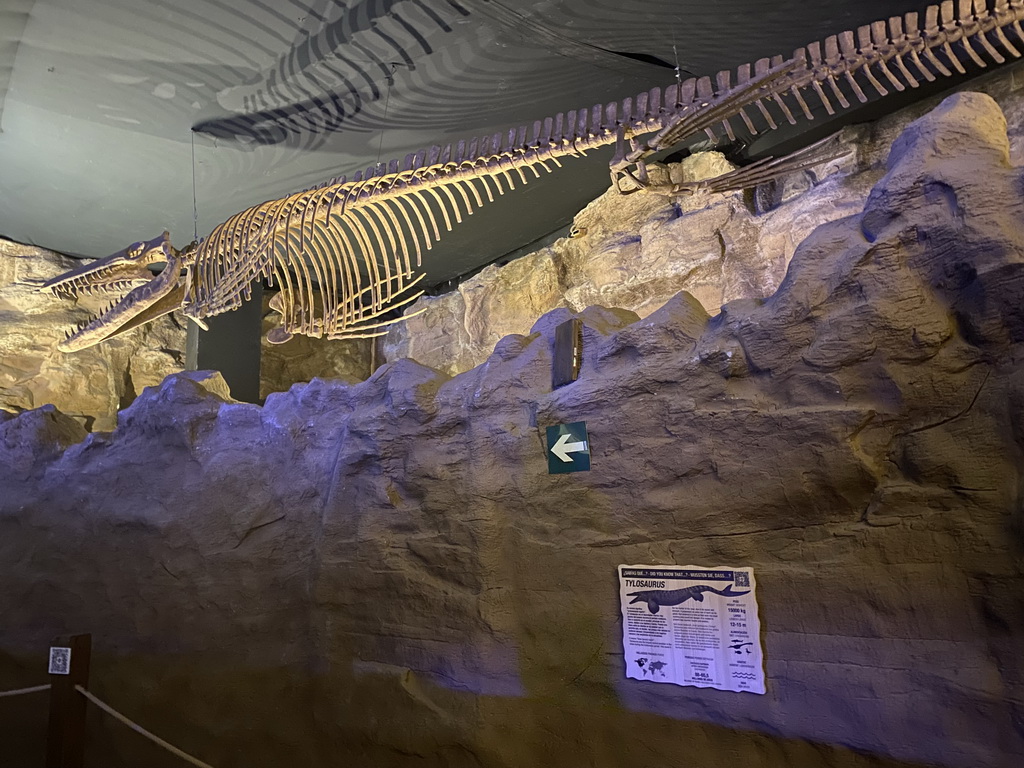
{"points": [[568, 448], [60, 661]]}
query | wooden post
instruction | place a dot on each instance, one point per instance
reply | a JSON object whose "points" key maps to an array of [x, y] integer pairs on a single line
{"points": [[568, 354], [65, 738]]}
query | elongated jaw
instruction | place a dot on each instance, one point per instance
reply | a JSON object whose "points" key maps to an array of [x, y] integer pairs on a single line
{"points": [[138, 296]]}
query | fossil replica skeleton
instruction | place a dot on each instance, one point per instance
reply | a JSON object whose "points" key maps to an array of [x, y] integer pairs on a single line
{"points": [[344, 254]]}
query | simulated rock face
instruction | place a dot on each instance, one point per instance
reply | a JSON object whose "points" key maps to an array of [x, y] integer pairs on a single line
{"points": [[90, 385], [384, 574], [302, 358], [95, 383], [638, 251]]}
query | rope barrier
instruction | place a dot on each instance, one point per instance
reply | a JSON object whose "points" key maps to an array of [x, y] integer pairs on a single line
{"points": [[20, 691], [140, 730]]}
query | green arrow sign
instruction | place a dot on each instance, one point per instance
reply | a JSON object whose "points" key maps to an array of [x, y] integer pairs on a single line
{"points": [[568, 448]]}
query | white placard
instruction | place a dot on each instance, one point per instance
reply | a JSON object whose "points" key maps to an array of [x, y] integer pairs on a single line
{"points": [[691, 625], [60, 661]]}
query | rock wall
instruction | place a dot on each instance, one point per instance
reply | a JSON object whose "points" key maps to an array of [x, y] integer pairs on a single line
{"points": [[90, 385], [384, 574], [638, 251], [633, 252], [302, 358]]}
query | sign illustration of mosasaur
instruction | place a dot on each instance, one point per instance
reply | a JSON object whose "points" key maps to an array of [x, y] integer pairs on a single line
{"points": [[655, 598], [356, 245]]}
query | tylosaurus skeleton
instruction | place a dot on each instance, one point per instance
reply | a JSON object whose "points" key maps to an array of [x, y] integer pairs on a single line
{"points": [[343, 253]]}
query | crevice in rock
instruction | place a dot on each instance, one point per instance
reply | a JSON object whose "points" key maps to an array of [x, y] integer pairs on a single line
{"points": [[960, 414], [128, 393]]}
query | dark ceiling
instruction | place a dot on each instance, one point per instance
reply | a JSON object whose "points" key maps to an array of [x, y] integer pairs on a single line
{"points": [[113, 111]]}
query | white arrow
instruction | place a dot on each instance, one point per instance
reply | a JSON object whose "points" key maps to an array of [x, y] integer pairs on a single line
{"points": [[562, 447]]}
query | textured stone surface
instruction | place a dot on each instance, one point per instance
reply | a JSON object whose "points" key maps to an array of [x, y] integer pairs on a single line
{"points": [[384, 574], [92, 384], [212, 381], [637, 251], [436, 333], [509, 300], [456, 331], [302, 358]]}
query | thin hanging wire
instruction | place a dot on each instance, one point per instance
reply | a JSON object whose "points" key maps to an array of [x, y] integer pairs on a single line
{"points": [[387, 101], [195, 206]]}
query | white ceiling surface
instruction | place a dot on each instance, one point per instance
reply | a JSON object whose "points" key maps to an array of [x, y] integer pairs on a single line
{"points": [[102, 96]]}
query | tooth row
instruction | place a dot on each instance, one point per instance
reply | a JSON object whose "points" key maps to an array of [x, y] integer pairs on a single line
{"points": [[83, 283], [78, 287]]}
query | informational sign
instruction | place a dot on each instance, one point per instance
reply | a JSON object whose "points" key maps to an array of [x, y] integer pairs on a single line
{"points": [[60, 661], [568, 448], [691, 625]]}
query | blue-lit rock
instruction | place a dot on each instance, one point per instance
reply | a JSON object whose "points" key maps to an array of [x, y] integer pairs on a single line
{"points": [[385, 574]]}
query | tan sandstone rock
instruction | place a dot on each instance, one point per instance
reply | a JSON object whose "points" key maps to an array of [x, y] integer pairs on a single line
{"points": [[509, 299], [91, 384], [302, 358], [436, 334], [636, 251]]}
